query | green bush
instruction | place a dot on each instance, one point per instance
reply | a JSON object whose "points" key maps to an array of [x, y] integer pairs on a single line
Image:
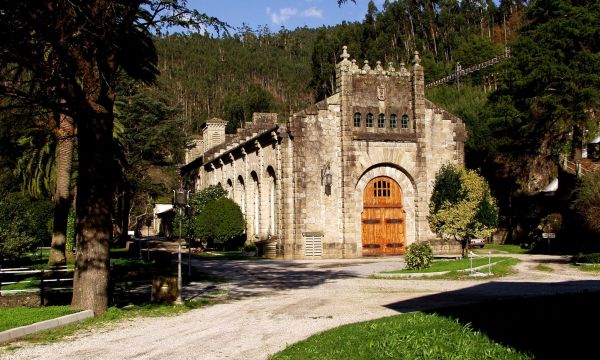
{"points": [[25, 223], [593, 258], [249, 247], [198, 202], [220, 222], [418, 256]]}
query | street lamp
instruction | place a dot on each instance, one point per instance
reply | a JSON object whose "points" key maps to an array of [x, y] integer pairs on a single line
{"points": [[180, 200]]}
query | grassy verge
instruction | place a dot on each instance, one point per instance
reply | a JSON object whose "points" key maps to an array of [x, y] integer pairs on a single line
{"points": [[449, 265], [20, 316], [410, 336], [225, 255], [502, 268], [114, 315]]}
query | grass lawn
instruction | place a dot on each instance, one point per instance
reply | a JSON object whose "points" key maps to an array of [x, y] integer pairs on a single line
{"points": [[501, 249], [595, 268], [450, 265], [409, 336], [542, 267], [542, 327], [28, 283], [20, 316]]}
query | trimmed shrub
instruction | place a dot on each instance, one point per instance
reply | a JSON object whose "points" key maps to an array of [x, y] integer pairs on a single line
{"points": [[418, 256], [220, 222]]}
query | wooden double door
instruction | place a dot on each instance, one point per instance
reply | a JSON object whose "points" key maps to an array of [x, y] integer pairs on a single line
{"points": [[383, 218]]}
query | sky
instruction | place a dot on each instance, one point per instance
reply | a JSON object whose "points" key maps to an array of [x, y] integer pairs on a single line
{"points": [[287, 13]]}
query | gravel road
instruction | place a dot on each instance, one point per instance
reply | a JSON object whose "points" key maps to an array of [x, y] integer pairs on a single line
{"points": [[275, 303]]}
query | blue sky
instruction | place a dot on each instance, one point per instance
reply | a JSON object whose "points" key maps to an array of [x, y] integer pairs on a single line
{"points": [[278, 13]]}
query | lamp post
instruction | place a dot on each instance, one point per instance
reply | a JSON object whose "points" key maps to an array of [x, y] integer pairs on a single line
{"points": [[180, 200]]}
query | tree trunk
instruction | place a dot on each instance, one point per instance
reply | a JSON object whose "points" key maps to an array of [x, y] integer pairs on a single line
{"points": [[463, 245], [94, 207], [62, 198]]}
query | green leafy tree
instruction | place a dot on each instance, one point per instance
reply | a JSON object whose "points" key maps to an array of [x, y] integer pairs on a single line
{"points": [[462, 206], [65, 56], [220, 222], [587, 200], [550, 89]]}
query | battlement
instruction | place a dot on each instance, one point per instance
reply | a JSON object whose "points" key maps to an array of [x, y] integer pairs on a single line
{"points": [[351, 67], [261, 123]]}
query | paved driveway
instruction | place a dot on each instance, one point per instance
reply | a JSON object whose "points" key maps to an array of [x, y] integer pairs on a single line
{"points": [[276, 303]]}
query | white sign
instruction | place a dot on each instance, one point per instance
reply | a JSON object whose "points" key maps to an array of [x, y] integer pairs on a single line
{"points": [[548, 235]]}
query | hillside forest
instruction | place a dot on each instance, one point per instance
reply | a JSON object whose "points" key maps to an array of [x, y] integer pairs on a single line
{"points": [[541, 110]]}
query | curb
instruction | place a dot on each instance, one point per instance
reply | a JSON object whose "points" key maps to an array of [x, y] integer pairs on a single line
{"points": [[12, 334]]}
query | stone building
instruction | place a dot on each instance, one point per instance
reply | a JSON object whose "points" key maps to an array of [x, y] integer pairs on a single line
{"points": [[347, 177]]}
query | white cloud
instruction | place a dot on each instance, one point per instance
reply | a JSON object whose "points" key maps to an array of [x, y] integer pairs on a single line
{"points": [[282, 15], [313, 12]]}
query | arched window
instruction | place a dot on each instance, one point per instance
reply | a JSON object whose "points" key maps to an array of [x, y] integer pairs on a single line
{"points": [[256, 202], [242, 194], [369, 120], [357, 119], [272, 202], [405, 121], [381, 121], [393, 121], [230, 189]]}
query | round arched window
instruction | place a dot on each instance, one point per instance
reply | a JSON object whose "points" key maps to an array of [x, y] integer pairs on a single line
{"points": [[369, 120], [393, 121], [357, 119], [405, 121]]}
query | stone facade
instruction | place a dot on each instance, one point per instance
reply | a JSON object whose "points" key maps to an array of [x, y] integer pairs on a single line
{"points": [[301, 183]]}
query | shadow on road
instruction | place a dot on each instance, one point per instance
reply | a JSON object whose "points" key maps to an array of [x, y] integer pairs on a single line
{"points": [[544, 320], [252, 278]]}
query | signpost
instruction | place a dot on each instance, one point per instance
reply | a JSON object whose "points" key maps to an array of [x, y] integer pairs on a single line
{"points": [[549, 235]]}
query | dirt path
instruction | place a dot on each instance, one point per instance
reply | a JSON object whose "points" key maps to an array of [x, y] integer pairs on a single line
{"points": [[276, 303]]}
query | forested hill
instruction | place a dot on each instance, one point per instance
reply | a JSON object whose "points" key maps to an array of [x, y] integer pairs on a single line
{"points": [[234, 76], [261, 70]]}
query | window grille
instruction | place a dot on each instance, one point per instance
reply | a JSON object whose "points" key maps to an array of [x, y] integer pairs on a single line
{"points": [[313, 246]]}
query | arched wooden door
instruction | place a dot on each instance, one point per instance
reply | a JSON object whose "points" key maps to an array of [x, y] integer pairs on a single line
{"points": [[383, 218]]}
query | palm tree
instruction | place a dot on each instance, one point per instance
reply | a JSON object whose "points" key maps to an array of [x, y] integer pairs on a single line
{"points": [[62, 195]]}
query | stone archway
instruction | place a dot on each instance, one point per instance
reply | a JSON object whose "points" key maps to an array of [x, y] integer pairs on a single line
{"points": [[409, 204], [383, 218]]}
